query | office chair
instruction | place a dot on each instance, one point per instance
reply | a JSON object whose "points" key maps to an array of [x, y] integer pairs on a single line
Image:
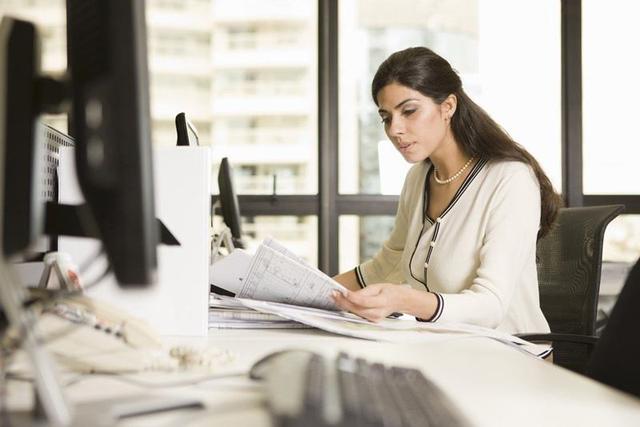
{"points": [[616, 357], [569, 260]]}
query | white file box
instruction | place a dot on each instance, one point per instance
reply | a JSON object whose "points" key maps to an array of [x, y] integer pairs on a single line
{"points": [[178, 303]]}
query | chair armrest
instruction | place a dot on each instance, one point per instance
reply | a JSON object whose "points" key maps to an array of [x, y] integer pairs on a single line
{"points": [[573, 338]]}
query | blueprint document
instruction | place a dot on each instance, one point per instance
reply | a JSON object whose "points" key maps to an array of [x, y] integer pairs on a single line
{"points": [[403, 330], [276, 274]]}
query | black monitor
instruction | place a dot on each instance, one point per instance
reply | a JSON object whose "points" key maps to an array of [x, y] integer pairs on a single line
{"points": [[20, 153], [187, 132], [229, 202], [107, 70], [107, 61], [24, 94]]}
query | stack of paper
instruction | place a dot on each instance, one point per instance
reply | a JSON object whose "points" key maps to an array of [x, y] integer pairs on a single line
{"points": [[276, 274], [402, 330], [227, 312]]}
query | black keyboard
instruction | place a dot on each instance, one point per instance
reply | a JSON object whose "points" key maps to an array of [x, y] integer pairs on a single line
{"points": [[306, 389]]}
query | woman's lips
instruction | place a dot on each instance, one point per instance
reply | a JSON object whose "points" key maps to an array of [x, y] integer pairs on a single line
{"points": [[405, 146]]}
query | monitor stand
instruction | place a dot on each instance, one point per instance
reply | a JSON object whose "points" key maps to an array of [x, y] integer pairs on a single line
{"points": [[51, 404]]}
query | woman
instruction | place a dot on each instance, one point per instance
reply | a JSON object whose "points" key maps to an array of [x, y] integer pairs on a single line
{"points": [[469, 215]]}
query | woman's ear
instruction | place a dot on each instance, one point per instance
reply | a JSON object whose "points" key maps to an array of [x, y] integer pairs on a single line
{"points": [[448, 106]]}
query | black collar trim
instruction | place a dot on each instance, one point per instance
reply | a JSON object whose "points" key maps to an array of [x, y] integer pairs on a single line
{"points": [[467, 182]]}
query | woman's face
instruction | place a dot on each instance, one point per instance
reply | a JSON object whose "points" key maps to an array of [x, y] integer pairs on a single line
{"points": [[414, 123]]}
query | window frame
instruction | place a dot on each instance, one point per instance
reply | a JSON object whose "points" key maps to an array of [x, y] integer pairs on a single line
{"points": [[329, 204]]}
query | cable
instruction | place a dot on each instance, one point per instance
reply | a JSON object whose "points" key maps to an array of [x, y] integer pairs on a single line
{"points": [[140, 383], [14, 377], [59, 334], [43, 300], [84, 267], [160, 385], [87, 263], [99, 279]]}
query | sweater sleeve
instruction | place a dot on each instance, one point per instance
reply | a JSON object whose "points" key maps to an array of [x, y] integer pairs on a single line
{"points": [[509, 244], [385, 265]]}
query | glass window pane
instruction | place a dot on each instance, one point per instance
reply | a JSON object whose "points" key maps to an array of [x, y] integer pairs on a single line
{"points": [[507, 54], [611, 143], [245, 72], [622, 239], [361, 237], [298, 233]]}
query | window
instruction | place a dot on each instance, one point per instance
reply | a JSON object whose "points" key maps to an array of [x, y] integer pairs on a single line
{"points": [[610, 87], [361, 237], [516, 78], [298, 233], [610, 139], [264, 93], [245, 71]]}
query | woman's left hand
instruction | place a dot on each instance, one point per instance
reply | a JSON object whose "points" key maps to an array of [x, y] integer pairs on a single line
{"points": [[375, 302]]}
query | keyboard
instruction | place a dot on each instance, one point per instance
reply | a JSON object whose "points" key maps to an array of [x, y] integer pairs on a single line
{"points": [[307, 389]]}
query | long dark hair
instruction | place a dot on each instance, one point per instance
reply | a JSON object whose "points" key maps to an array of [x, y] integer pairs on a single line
{"points": [[479, 135]]}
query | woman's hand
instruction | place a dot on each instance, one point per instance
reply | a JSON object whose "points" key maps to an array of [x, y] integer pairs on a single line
{"points": [[375, 302]]}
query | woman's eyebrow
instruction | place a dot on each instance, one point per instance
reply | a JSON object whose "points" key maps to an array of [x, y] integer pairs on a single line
{"points": [[382, 110]]}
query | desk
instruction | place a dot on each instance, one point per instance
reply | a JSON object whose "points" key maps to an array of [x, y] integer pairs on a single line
{"points": [[493, 384]]}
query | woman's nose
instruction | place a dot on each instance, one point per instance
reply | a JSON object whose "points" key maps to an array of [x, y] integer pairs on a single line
{"points": [[396, 127]]}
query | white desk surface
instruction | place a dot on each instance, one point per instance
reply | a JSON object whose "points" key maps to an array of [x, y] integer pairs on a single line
{"points": [[494, 385]]}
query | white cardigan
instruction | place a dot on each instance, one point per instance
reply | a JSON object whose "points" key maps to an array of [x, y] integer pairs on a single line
{"points": [[479, 256]]}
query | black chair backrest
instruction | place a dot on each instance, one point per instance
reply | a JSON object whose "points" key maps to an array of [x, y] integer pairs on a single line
{"points": [[569, 261], [616, 358]]}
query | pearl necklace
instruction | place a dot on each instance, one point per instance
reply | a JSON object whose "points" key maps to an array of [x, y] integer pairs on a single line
{"points": [[454, 176]]}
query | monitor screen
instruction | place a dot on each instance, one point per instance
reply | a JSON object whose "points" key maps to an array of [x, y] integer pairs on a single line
{"points": [[229, 202], [107, 70], [107, 59], [21, 153]]}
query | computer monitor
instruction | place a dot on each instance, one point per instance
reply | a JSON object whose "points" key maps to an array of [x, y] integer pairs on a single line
{"points": [[22, 155], [107, 70], [107, 60], [186, 131], [229, 203], [24, 94]]}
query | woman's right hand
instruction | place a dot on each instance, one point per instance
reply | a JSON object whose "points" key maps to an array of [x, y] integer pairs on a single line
{"points": [[348, 279]]}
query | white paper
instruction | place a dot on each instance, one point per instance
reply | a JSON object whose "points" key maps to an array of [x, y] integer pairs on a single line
{"points": [[223, 301], [393, 330], [279, 247], [274, 276], [284, 309], [229, 272]]}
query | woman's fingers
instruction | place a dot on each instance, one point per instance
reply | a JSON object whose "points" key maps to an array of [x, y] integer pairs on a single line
{"points": [[373, 303], [347, 303], [373, 313], [342, 302], [370, 290], [370, 299]]}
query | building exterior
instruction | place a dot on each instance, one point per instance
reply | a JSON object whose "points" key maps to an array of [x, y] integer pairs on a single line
{"points": [[245, 72]]}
